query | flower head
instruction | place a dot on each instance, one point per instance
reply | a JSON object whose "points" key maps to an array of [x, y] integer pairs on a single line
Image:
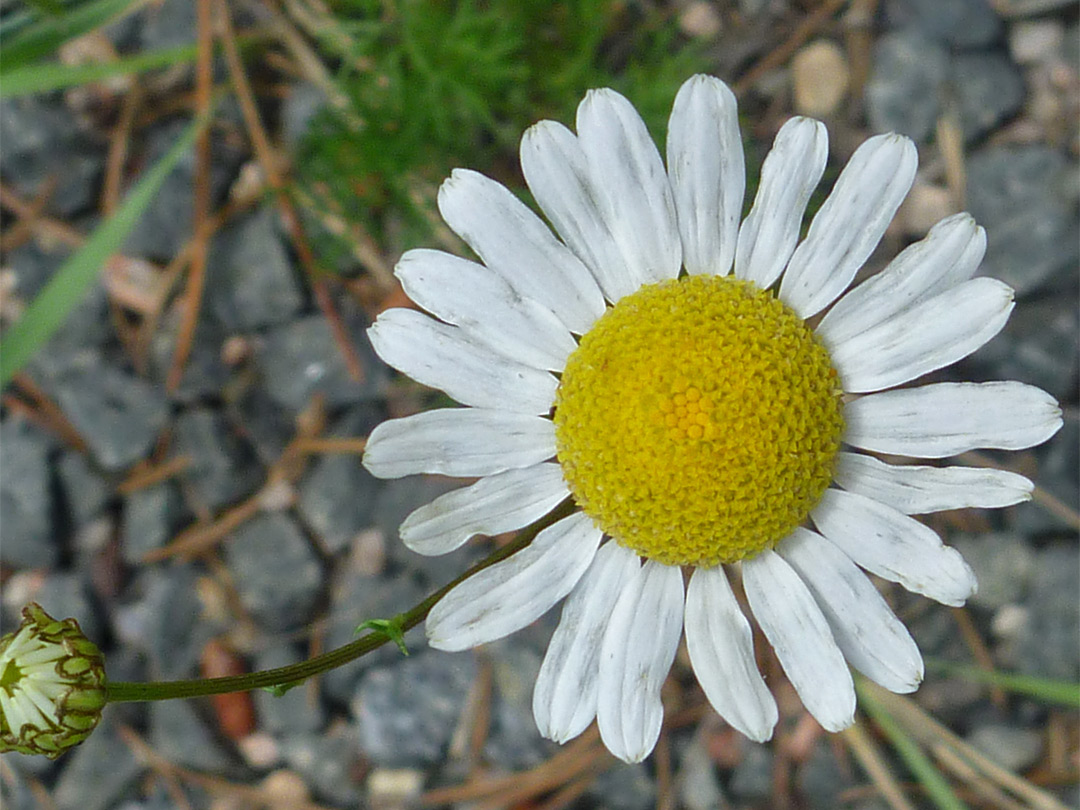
{"points": [[52, 685], [708, 397]]}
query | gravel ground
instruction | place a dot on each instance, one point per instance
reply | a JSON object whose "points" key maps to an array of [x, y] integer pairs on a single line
{"points": [[990, 93]]}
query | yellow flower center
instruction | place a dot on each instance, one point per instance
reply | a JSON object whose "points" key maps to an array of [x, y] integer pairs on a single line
{"points": [[698, 420]]}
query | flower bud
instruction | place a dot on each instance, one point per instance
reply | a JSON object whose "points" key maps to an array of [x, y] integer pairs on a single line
{"points": [[52, 685]]}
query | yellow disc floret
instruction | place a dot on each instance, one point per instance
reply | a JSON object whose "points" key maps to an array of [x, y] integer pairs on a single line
{"points": [[698, 420]]}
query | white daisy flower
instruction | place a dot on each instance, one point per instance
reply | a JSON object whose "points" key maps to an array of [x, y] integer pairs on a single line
{"points": [[665, 368]]}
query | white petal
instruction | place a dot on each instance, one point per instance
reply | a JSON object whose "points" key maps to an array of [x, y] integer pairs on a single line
{"points": [[516, 244], [721, 648], [850, 223], [446, 357], [789, 175], [948, 255], [917, 490], [631, 185], [708, 173], [872, 639], [635, 657], [463, 442], [493, 505], [502, 599], [943, 419], [894, 546], [800, 635], [564, 700], [927, 336], [557, 172], [483, 304]]}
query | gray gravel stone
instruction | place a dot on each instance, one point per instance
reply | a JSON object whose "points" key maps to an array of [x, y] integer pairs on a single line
{"points": [[624, 786], [98, 772], [337, 495], [85, 491], [1021, 195], [1003, 564], [15, 791], [328, 763], [407, 713], [66, 595], [117, 414], [821, 780], [180, 735], [1059, 473], [751, 780], [168, 24], [276, 572], [959, 23], [42, 141], [250, 280], [514, 742], [222, 468], [205, 373], [26, 500], [301, 358], [266, 425], [1014, 748], [904, 93], [151, 516], [1051, 647], [299, 107], [293, 713], [989, 89]]}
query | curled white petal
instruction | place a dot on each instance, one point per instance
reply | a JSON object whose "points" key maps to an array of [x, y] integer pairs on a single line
{"points": [[505, 597]]}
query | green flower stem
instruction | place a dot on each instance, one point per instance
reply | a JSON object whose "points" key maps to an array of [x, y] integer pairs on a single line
{"points": [[119, 691]]}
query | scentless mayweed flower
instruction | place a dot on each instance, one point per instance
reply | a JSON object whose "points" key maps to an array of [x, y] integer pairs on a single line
{"points": [[700, 417], [52, 685]]}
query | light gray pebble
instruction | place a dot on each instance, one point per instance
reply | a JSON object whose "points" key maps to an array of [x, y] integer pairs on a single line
{"points": [[205, 373], [958, 23], [26, 500], [298, 711], [1051, 648], [276, 571], [250, 280], [85, 491], [1014, 748], [989, 89], [329, 764], [97, 773], [179, 734], [222, 469], [151, 515], [904, 92], [118, 415], [1002, 562], [65, 595], [820, 778], [624, 786], [514, 742], [406, 713], [751, 780]]}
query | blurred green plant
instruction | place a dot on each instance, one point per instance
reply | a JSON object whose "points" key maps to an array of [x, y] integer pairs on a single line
{"points": [[438, 84]]}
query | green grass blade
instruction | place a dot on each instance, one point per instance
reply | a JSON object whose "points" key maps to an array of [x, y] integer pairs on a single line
{"points": [[68, 285], [45, 36], [1065, 693], [932, 780], [48, 76]]}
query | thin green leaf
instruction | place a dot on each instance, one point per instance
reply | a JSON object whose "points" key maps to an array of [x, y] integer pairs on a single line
{"points": [[1052, 691], [45, 36], [66, 288], [937, 788], [53, 76]]}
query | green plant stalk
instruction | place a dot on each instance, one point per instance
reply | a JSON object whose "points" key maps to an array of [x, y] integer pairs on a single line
{"points": [[66, 288], [937, 788], [1065, 693], [292, 675]]}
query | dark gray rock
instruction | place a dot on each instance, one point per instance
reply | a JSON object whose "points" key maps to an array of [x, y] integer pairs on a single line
{"points": [[989, 89], [250, 280], [1051, 647], [302, 103], [117, 414], [1014, 748], [821, 780], [514, 742], [958, 23], [328, 763], [180, 735], [65, 595], [298, 711], [751, 780], [222, 468], [407, 713], [151, 516], [85, 491], [301, 358], [168, 24], [205, 372], [26, 500], [43, 142], [15, 791], [624, 786], [276, 572], [337, 495], [1002, 563], [904, 93], [1058, 466], [265, 424], [1022, 196], [356, 599], [97, 773]]}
